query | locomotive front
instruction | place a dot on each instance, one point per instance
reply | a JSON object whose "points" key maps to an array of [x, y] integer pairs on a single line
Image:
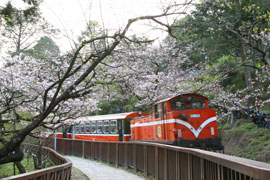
{"points": [[194, 124]]}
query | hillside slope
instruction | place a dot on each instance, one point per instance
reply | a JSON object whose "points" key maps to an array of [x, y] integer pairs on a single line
{"points": [[245, 139]]}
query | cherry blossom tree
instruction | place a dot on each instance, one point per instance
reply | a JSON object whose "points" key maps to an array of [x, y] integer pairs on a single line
{"points": [[229, 99], [150, 73], [59, 88]]}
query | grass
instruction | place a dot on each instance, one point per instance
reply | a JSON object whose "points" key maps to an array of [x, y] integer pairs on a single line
{"points": [[266, 110], [246, 127], [245, 139], [7, 169], [76, 174], [28, 163]]}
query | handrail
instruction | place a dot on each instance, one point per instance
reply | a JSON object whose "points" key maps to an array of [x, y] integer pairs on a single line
{"points": [[167, 162], [62, 170]]}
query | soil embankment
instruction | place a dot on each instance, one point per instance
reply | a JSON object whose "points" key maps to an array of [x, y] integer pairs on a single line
{"points": [[245, 139]]}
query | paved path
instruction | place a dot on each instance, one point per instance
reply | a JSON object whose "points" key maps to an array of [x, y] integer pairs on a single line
{"points": [[99, 171]]}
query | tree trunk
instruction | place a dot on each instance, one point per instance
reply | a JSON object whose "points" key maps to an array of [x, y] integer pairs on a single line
{"points": [[39, 156], [15, 156], [20, 167], [247, 72], [18, 45]]}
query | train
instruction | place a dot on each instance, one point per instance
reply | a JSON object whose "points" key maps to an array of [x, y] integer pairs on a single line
{"points": [[183, 120]]}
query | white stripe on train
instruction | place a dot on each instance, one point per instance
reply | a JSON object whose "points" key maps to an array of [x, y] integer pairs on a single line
{"points": [[179, 121], [95, 134]]}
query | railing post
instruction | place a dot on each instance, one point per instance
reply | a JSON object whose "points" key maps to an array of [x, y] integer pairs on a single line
{"points": [[108, 153], [63, 146], [221, 172], [62, 174], [117, 155], [135, 157], [189, 167], [72, 144], [126, 155], [165, 164], [202, 168], [100, 152], [55, 139], [54, 172], [156, 162], [218, 173], [91, 150], [83, 146], [177, 168], [145, 161]]}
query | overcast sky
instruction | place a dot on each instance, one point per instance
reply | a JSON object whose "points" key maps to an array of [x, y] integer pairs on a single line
{"points": [[70, 16]]}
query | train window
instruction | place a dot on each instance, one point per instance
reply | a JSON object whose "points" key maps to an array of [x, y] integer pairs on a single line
{"points": [[94, 127], [106, 127], [102, 128], [110, 127], [198, 103], [77, 129], [164, 109], [87, 128], [178, 104], [158, 110], [99, 127], [127, 126], [119, 123], [82, 128], [190, 103], [114, 126], [70, 129], [91, 127]]}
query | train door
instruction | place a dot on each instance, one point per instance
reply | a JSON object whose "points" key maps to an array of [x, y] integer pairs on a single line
{"points": [[164, 118], [160, 125], [126, 129], [120, 129]]}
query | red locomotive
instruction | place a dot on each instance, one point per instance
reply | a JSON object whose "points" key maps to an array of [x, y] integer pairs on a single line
{"points": [[183, 120]]}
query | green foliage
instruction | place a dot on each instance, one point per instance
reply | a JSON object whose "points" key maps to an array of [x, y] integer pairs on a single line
{"points": [[259, 139], [224, 126], [224, 63], [228, 66], [25, 115], [14, 16], [220, 34], [22, 26], [45, 48], [246, 127], [8, 13], [246, 140], [118, 106], [7, 169], [77, 174]]}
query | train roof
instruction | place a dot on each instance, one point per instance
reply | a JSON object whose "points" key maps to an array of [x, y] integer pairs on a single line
{"points": [[128, 115], [170, 98]]}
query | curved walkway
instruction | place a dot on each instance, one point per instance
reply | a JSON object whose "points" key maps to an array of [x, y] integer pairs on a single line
{"points": [[99, 171]]}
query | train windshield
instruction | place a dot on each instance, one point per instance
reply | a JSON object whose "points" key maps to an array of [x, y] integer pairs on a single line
{"points": [[187, 103]]}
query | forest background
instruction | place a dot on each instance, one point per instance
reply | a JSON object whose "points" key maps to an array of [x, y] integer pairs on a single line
{"points": [[216, 48]]}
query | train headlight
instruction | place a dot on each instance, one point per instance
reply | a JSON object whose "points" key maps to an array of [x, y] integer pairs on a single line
{"points": [[174, 131], [183, 116]]}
